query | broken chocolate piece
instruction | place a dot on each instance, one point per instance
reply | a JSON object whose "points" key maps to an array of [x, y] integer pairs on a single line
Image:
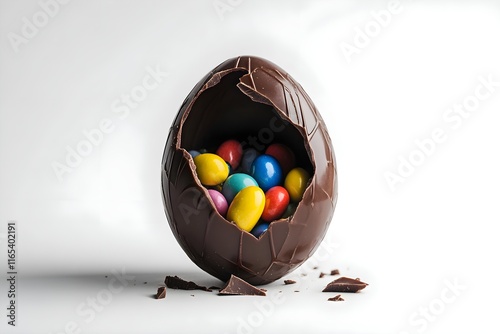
{"points": [[161, 293], [290, 281], [237, 286], [174, 282], [345, 284], [334, 272], [337, 298]]}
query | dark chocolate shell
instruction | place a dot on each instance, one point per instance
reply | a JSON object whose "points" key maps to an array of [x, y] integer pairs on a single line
{"points": [[256, 102]]}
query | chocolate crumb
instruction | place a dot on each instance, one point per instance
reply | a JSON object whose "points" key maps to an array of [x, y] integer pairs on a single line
{"points": [[345, 284], [237, 286], [296, 291], [290, 281], [315, 267], [334, 272], [337, 298], [105, 276], [145, 283], [174, 282], [321, 275], [161, 293]]}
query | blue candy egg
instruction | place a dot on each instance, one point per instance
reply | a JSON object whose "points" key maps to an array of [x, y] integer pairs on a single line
{"points": [[194, 153], [266, 171], [235, 183], [248, 158], [259, 229]]}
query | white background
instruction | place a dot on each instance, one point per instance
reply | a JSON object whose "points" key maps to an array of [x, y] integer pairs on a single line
{"points": [[436, 228]]}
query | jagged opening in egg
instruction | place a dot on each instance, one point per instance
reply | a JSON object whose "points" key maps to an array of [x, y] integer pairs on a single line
{"points": [[224, 112]]}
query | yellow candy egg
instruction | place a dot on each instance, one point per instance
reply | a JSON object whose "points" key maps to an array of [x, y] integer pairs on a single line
{"points": [[247, 207], [211, 169], [296, 183]]}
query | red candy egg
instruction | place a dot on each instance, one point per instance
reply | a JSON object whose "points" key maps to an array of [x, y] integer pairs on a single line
{"points": [[231, 151], [277, 200], [284, 155]]}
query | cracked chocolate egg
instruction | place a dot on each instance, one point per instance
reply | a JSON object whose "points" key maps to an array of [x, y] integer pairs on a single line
{"points": [[253, 101]]}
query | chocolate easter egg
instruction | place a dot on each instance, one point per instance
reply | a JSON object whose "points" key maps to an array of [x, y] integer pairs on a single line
{"points": [[255, 102]]}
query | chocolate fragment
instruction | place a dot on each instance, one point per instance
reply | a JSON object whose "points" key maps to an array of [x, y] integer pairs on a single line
{"points": [[290, 281], [334, 272], [237, 286], [161, 293], [174, 282], [322, 274], [337, 298], [315, 267], [345, 284], [243, 98]]}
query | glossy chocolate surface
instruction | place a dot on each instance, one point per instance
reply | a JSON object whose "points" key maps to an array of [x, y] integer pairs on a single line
{"points": [[256, 102]]}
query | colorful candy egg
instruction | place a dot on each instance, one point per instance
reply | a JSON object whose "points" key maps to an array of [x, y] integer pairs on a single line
{"points": [[235, 183], [259, 229], [231, 151], [290, 210], [296, 183], [246, 208], [194, 153], [284, 155], [249, 156], [277, 200], [266, 171], [211, 169], [219, 200]]}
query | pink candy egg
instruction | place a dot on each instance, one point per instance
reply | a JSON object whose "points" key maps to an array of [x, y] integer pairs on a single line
{"points": [[219, 201]]}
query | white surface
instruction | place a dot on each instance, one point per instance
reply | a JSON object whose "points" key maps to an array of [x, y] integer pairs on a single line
{"points": [[107, 215]]}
